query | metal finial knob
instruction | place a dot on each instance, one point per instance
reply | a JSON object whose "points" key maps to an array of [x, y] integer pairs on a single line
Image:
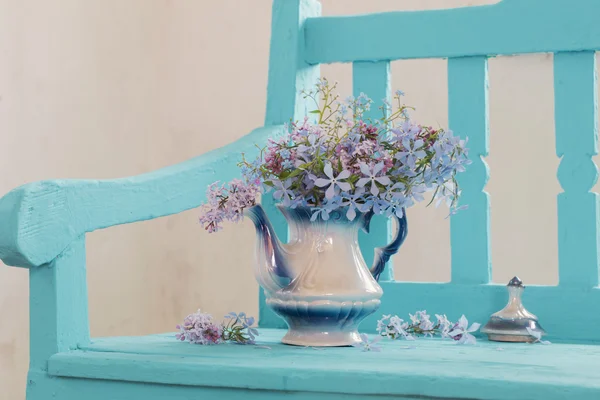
{"points": [[515, 282], [513, 323]]}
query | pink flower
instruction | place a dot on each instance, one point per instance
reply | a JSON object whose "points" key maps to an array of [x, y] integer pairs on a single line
{"points": [[388, 162], [199, 328], [273, 161], [365, 149]]}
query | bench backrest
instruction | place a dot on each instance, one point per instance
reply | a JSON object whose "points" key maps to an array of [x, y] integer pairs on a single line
{"points": [[302, 39]]}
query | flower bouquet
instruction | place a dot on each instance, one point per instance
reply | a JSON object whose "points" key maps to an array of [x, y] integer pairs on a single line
{"points": [[330, 175], [346, 161]]}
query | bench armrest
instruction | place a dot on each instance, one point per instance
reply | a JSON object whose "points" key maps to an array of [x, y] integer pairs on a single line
{"points": [[39, 220]]}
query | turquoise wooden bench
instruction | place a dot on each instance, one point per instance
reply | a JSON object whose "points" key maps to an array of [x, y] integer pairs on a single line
{"points": [[43, 228]]}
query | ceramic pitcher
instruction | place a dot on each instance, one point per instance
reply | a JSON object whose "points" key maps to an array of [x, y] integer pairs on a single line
{"points": [[318, 282]]}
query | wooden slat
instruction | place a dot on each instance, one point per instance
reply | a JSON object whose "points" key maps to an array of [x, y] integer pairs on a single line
{"points": [[558, 308], [468, 117], [39, 385], [288, 76], [374, 80], [509, 27], [576, 118], [58, 305]]}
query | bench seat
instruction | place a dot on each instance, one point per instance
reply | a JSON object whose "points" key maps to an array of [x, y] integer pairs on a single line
{"points": [[427, 367]]}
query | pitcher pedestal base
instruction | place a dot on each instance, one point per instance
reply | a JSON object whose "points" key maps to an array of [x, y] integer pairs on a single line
{"points": [[311, 337], [324, 323]]}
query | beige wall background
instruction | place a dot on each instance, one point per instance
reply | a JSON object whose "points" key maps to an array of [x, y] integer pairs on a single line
{"points": [[104, 89]]}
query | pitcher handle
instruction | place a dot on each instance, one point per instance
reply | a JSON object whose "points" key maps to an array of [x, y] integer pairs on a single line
{"points": [[383, 254]]}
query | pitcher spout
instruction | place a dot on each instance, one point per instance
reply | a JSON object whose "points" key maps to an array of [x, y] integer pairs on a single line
{"points": [[271, 269]]}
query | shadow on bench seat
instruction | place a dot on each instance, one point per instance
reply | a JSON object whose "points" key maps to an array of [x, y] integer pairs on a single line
{"points": [[426, 368]]}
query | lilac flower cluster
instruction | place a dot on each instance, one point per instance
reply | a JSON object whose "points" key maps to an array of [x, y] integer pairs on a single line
{"points": [[227, 202], [341, 160], [200, 328], [394, 327]]}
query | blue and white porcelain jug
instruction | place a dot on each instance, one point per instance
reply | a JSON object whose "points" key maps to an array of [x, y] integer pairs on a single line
{"points": [[319, 282]]}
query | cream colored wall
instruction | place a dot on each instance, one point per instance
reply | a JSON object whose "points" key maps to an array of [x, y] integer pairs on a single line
{"points": [[102, 89]]}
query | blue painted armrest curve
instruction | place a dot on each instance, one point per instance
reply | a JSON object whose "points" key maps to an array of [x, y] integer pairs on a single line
{"points": [[39, 220]]}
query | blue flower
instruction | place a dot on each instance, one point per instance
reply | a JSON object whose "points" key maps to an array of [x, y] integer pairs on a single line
{"points": [[323, 211], [407, 130], [309, 181], [283, 191], [301, 158], [234, 329], [354, 136], [313, 141], [461, 332], [416, 192], [367, 345], [298, 201], [285, 154], [432, 178], [333, 181], [322, 83], [412, 152], [378, 205], [350, 201], [248, 322], [303, 132], [442, 150], [397, 200], [537, 336], [455, 210], [364, 101], [394, 191], [250, 172], [287, 164], [371, 175]]}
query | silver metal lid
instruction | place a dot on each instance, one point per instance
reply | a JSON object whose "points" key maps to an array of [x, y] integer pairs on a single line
{"points": [[512, 322], [515, 282]]}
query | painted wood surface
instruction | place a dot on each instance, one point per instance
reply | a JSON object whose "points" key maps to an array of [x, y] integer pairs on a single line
{"points": [[374, 80], [576, 119], [43, 226], [58, 305], [468, 117], [435, 368], [289, 75], [41, 219], [558, 308], [508, 27], [68, 389]]}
